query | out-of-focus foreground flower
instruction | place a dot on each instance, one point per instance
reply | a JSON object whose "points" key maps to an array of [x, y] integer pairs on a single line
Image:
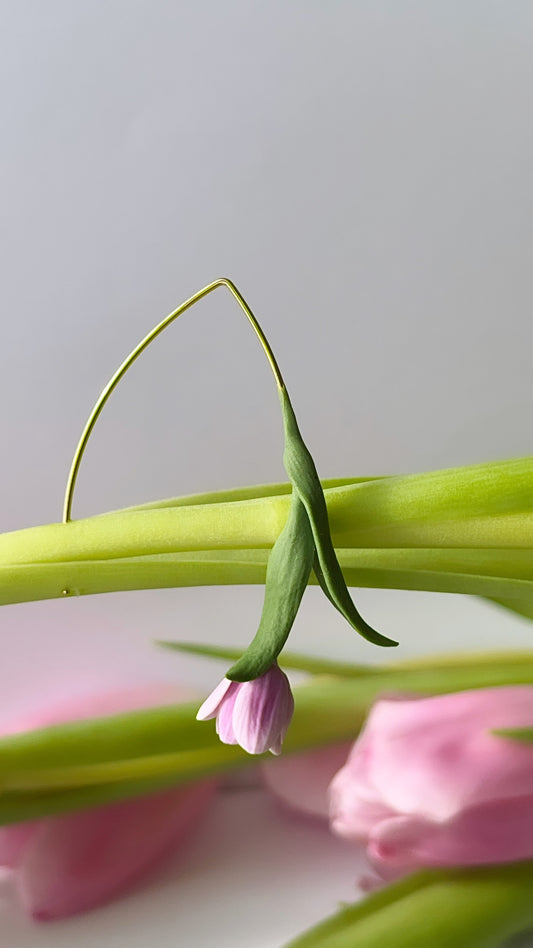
{"points": [[428, 784], [254, 714], [68, 864]]}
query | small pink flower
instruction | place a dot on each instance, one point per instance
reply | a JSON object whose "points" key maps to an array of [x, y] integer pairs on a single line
{"points": [[68, 864], [254, 714], [428, 784]]}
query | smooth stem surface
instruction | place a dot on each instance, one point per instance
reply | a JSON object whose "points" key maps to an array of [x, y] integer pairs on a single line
{"points": [[466, 530], [476, 908], [134, 355]]}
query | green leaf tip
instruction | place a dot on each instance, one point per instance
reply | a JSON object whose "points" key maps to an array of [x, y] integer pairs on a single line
{"points": [[304, 545], [304, 477], [522, 734]]}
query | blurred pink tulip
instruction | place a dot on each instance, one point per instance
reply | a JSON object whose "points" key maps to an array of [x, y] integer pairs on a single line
{"points": [[301, 781], [68, 864], [428, 784]]}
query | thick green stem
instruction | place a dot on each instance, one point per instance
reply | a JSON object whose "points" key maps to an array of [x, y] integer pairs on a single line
{"points": [[92, 762], [467, 530], [472, 908]]}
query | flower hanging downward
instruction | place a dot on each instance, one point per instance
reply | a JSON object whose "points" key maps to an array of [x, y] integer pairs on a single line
{"points": [[254, 714]]}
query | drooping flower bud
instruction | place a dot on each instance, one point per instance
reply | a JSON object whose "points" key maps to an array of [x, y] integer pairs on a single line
{"points": [[254, 714]]}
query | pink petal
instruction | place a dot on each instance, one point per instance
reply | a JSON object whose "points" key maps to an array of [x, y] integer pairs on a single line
{"points": [[435, 756], [499, 831], [74, 863], [263, 711], [99, 705], [13, 841], [301, 781], [71, 863], [224, 727], [357, 818]]}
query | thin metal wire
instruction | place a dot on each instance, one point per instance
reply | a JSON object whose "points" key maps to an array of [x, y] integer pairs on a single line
{"points": [[113, 382]]}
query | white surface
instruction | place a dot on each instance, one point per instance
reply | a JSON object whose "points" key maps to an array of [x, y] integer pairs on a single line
{"points": [[363, 172]]}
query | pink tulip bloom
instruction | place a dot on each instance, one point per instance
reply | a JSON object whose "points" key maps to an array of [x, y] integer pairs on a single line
{"points": [[428, 784], [254, 714], [67, 864], [301, 781]]}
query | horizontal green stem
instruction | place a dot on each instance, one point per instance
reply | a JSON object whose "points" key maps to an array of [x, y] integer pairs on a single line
{"points": [[87, 763], [466, 530]]}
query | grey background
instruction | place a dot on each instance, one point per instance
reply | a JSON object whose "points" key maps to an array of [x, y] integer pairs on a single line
{"points": [[362, 171]]}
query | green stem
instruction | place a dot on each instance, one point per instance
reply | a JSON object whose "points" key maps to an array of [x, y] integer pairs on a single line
{"points": [[143, 344], [467, 530], [472, 908], [92, 762]]}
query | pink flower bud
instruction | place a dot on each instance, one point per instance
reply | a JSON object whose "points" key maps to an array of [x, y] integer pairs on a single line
{"points": [[428, 784], [254, 714], [68, 864]]}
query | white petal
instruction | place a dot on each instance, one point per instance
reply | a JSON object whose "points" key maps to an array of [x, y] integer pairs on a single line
{"points": [[211, 704]]}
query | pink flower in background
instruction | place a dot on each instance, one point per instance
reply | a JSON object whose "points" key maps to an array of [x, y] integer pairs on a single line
{"points": [[428, 784], [68, 864], [254, 714], [301, 781]]}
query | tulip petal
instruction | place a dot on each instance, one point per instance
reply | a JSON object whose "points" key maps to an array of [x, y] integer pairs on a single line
{"points": [[74, 863], [99, 705], [69, 864], [224, 725], [262, 712], [435, 756], [300, 781], [213, 701], [491, 833], [13, 841]]}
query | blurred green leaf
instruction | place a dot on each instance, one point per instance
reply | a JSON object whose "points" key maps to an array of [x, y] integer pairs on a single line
{"points": [[500, 660], [522, 607], [477, 908], [522, 734], [288, 660], [88, 763]]}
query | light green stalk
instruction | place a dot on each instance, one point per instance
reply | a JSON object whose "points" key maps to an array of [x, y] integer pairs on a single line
{"points": [[464, 530], [476, 908], [92, 762]]}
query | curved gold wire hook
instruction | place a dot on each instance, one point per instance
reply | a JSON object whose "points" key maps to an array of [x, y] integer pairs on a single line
{"points": [[113, 382]]}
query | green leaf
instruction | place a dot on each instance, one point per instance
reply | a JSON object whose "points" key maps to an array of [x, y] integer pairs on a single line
{"points": [[288, 569], [477, 908], [522, 734], [499, 662], [521, 607], [302, 471], [235, 494], [289, 660]]}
